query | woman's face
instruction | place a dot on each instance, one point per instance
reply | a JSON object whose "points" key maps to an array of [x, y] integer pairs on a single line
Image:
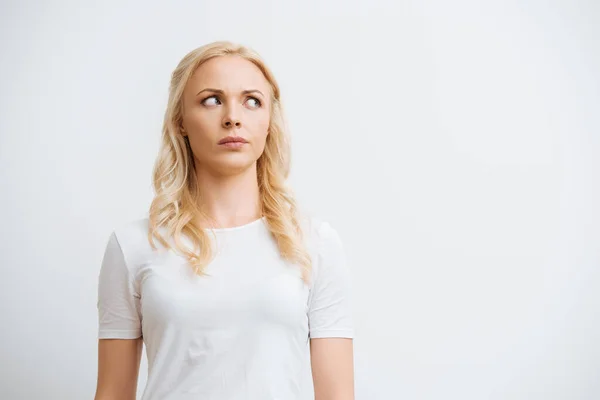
{"points": [[227, 97]]}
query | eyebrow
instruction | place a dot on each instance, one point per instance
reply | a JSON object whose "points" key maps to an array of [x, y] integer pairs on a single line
{"points": [[222, 92]]}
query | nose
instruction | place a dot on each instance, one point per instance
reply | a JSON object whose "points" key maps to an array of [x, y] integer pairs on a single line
{"points": [[228, 123], [231, 119]]}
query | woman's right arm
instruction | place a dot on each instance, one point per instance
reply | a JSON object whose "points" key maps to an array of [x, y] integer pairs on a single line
{"points": [[118, 368], [120, 332]]}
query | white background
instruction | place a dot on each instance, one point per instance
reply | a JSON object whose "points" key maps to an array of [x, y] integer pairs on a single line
{"points": [[453, 145]]}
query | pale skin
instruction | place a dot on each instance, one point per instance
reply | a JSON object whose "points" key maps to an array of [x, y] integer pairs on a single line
{"points": [[240, 107]]}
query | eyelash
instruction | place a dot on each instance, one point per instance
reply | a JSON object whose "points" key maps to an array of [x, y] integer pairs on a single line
{"points": [[250, 97]]}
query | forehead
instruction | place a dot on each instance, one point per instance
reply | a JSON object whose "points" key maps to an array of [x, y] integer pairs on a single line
{"points": [[229, 73]]}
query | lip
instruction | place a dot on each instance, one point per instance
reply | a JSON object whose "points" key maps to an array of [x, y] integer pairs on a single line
{"points": [[233, 140], [233, 145]]}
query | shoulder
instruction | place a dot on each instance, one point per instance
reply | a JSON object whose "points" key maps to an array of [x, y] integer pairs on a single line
{"points": [[320, 232], [132, 238], [323, 241], [328, 255], [131, 233]]}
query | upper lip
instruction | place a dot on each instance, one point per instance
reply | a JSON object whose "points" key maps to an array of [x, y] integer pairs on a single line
{"points": [[229, 139]]}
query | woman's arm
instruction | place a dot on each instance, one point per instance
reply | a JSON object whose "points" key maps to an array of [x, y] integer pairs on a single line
{"points": [[332, 363], [118, 368]]}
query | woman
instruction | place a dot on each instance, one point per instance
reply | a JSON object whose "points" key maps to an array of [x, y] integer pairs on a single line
{"points": [[225, 282]]}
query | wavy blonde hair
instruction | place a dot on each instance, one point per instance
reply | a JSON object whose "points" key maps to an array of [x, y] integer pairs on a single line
{"points": [[174, 209]]}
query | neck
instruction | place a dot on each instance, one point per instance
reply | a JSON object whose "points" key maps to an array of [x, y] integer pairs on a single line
{"points": [[228, 200]]}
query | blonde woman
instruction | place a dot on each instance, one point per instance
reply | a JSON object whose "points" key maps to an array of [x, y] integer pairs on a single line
{"points": [[232, 291]]}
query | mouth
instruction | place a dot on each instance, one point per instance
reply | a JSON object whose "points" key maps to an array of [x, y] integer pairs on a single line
{"points": [[233, 140]]}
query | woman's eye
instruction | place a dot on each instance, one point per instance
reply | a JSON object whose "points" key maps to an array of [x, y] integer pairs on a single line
{"points": [[254, 102], [207, 101]]}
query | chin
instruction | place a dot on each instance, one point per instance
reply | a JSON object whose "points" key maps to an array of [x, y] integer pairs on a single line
{"points": [[234, 165]]}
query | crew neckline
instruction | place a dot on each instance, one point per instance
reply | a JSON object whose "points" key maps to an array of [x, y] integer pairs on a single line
{"points": [[236, 228]]}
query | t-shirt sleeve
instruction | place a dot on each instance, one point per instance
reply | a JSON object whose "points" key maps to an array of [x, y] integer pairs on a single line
{"points": [[118, 300], [330, 310]]}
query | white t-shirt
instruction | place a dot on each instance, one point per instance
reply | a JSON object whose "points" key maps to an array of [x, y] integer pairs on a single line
{"points": [[239, 334]]}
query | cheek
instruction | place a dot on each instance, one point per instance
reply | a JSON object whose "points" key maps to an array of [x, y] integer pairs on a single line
{"points": [[202, 130], [262, 126], [200, 124]]}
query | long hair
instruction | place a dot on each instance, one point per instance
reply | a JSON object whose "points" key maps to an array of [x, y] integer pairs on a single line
{"points": [[174, 209]]}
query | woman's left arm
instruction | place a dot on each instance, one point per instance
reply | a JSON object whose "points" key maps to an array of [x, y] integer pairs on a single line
{"points": [[332, 363], [331, 327]]}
